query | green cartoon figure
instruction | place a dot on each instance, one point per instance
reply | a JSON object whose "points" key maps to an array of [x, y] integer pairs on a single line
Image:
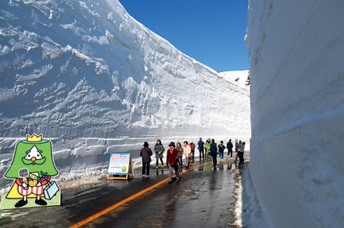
{"points": [[32, 168]]}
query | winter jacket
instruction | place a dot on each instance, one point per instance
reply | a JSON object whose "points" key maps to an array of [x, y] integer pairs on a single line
{"points": [[213, 149], [207, 146], [221, 148], [145, 153], [180, 151], [172, 156], [241, 147], [201, 145], [187, 151], [230, 146], [236, 147], [159, 150], [192, 147]]}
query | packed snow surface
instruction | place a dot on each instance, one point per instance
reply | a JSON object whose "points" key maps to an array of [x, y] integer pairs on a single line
{"points": [[93, 80], [297, 110], [239, 78]]}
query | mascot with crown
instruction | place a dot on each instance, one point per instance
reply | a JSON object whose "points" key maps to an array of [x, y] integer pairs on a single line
{"points": [[32, 168]]}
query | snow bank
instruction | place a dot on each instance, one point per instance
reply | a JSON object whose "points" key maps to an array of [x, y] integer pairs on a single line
{"points": [[93, 80], [296, 50], [239, 78]]}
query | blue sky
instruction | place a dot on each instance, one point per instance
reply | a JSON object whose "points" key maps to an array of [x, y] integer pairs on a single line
{"points": [[210, 31]]}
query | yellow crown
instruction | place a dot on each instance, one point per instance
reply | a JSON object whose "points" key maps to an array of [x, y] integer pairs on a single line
{"points": [[34, 138]]}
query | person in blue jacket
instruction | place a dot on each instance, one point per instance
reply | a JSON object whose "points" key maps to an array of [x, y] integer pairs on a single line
{"points": [[201, 148]]}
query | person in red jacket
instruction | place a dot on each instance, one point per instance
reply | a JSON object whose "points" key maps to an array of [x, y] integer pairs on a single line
{"points": [[172, 162]]}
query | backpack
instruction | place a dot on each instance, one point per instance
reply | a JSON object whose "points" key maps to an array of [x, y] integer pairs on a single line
{"points": [[192, 147]]}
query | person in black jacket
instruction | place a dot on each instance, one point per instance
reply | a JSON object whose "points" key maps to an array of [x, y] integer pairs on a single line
{"points": [[221, 150], [230, 147], [213, 152], [146, 154]]}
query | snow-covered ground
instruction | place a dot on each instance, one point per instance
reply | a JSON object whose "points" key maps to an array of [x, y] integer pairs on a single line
{"points": [[93, 80], [296, 52]]}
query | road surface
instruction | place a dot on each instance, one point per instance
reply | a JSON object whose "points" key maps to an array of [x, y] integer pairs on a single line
{"points": [[203, 198]]}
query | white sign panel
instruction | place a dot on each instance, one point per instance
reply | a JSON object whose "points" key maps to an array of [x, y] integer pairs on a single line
{"points": [[119, 164]]}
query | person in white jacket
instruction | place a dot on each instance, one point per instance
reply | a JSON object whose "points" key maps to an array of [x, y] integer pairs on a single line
{"points": [[187, 152]]}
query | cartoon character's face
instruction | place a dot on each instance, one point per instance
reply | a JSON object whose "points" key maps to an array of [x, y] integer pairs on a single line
{"points": [[33, 157]]}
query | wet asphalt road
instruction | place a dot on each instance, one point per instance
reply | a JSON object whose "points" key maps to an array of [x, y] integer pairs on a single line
{"points": [[203, 198]]}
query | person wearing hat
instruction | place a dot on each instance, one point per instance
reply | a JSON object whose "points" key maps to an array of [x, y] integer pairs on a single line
{"points": [[172, 162], [145, 153]]}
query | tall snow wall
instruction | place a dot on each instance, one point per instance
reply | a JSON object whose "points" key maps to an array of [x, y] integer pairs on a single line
{"points": [[296, 51], [93, 80]]}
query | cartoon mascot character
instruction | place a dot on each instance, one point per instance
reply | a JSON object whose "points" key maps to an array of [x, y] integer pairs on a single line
{"points": [[32, 168]]}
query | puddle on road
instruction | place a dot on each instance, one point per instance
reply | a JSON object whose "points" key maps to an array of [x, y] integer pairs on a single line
{"points": [[163, 216]]}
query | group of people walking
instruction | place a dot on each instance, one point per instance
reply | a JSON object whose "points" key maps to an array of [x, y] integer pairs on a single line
{"points": [[210, 149], [174, 155], [173, 159]]}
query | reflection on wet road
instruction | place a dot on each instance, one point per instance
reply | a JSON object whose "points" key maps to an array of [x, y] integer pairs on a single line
{"points": [[203, 199]]}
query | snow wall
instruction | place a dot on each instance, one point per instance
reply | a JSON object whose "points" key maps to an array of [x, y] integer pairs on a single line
{"points": [[296, 51], [93, 80]]}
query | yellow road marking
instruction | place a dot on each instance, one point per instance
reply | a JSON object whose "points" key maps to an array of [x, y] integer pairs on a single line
{"points": [[130, 198]]}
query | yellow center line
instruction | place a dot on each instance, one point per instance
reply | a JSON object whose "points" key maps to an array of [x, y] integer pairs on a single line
{"points": [[130, 198]]}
